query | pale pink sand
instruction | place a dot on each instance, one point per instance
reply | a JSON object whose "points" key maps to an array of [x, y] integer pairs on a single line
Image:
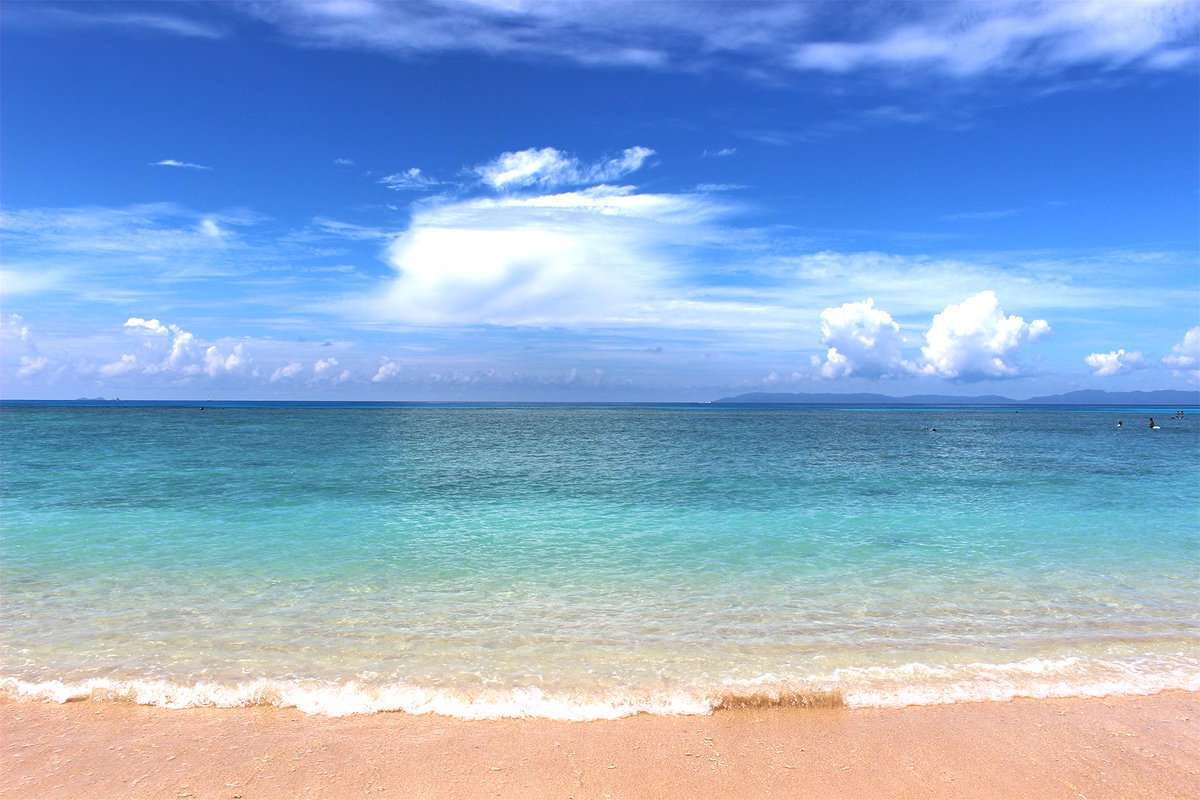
{"points": [[1115, 747]]}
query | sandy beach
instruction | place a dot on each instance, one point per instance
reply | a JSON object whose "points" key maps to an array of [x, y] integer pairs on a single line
{"points": [[1116, 747]]}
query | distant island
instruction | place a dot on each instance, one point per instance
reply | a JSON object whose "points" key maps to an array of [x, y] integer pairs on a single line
{"points": [[1083, 397]]}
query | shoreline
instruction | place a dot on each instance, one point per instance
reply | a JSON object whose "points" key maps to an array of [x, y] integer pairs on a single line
{"points": [[1118, 746]]}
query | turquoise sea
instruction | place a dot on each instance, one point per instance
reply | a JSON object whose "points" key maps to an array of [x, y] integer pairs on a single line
{"points": [[594, 561]]}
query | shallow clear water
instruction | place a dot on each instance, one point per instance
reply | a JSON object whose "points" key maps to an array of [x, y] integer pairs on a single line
{"points": [[595, 561]]}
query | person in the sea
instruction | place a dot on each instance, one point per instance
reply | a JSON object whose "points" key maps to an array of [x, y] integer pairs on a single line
{"points": [[1120, 424], [1152, 425]]}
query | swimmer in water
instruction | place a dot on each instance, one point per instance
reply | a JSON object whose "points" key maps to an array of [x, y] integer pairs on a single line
{"points": [[1120, 424], [1152, 425]]}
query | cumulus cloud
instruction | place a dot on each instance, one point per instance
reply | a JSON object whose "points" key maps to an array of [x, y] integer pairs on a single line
{"points": [[15, 328], [289, 370], [325, 369], [147, 325], [1185, 356], [597, 254], [171, 351], [862, 341], [975, 340], [388, 369], [1116, 362], [549, 168], [216, 362]]}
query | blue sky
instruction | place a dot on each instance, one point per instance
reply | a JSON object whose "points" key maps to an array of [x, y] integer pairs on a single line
{"points": [[597, 201]]}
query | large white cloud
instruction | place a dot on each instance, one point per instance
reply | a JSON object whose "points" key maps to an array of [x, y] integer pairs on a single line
{"points": [[971, 340], [1185, 356], [974, 340], [1115, 362], [601, 254], [862, 341]]}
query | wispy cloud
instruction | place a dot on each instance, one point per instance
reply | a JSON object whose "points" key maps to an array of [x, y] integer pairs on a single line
{"points": [[966, 216], [968, 39], [549, 168], [410, 180], [94, 15], [171, 162], [961, 39]]}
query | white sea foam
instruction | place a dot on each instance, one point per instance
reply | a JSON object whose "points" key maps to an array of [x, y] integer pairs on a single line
{"points": [[909, 684]]}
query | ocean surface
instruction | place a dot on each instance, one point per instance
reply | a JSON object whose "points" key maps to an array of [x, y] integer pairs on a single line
{"points": [[581, 562]]}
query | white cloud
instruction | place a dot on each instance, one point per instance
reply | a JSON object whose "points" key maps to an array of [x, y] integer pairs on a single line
{"points": [[388, 369], [289, 370], [961, 38], [1185, 356], [18, 342], [171, 162], [974, 340], [409, 180], [15, 328], [149, 325], [209, 227], [863, 341], [968, 39], [548, 168], [128, 362], [31, 365], [344, 162], [31, 279], [215, 362], [171, 351], [910, 285], [41, 15], [1116, 362], [596, 255], [325, 369], [149, 233]]}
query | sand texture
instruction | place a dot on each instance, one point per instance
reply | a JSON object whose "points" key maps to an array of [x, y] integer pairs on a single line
{"points": [[1118, 747]]}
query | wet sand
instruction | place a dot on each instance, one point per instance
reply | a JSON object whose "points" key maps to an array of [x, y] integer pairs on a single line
{"points": [[1116, 747]]}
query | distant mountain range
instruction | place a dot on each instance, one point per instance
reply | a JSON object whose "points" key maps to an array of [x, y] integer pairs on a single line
{"points": [[1083, 397]]}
